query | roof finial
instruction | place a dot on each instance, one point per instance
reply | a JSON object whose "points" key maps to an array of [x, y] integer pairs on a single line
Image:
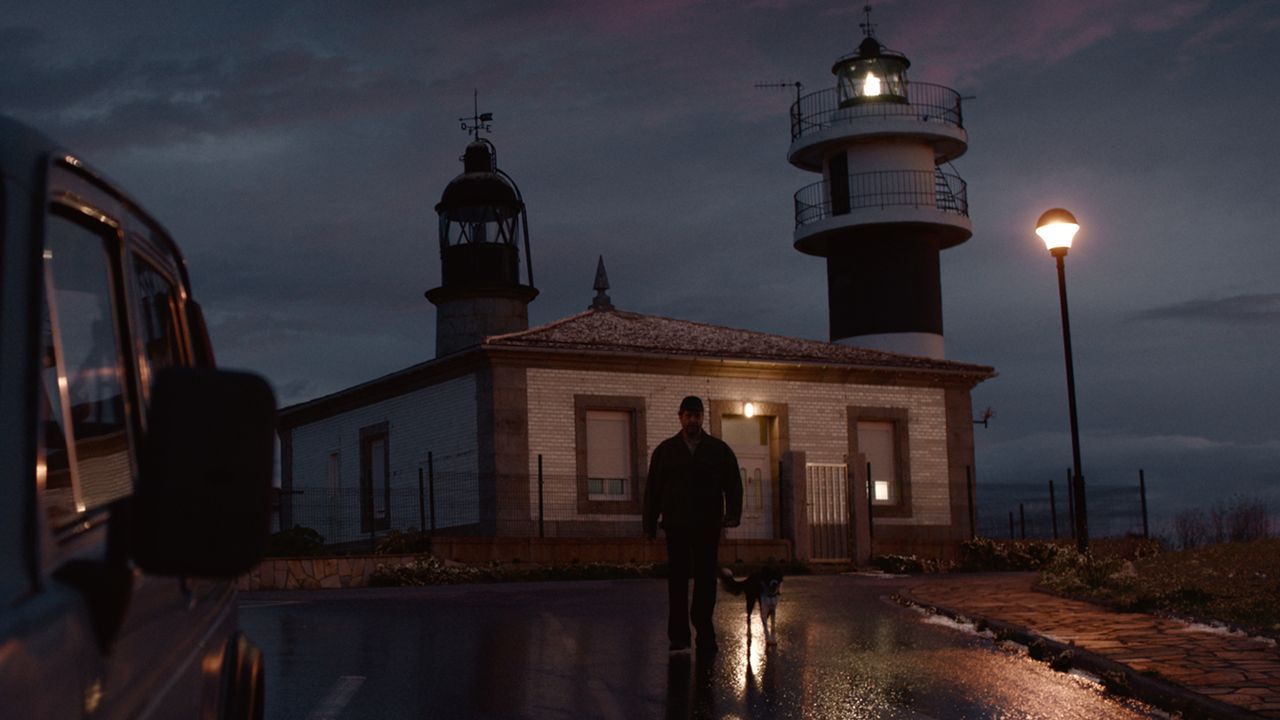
{"points": [[479, 121], [601, 301], [867, 27]]}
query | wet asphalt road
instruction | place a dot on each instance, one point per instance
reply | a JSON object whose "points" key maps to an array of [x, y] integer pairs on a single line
{"points": [[598, 650]]}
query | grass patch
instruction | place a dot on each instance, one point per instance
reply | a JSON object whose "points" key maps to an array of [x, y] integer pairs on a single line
{"points": [[1236, 584], [428, 570]]}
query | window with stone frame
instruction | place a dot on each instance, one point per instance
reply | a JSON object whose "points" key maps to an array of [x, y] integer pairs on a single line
{"points": [[609, 462], [375, 478], [609, 439], [878, 438]]}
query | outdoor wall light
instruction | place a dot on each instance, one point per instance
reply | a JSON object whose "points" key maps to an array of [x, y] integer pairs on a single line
{"points": [[749, 410]]}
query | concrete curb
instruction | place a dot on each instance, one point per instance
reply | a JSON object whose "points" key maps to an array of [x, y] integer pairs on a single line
{"points": [[1117, 678]]}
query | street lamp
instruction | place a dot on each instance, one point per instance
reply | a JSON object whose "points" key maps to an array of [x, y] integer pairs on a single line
{"points": [[1057, 228]]}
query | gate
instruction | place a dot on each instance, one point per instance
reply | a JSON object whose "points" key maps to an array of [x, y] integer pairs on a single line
{"points": [[827, 496]]}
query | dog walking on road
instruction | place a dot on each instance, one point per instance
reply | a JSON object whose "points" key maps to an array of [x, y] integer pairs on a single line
{"points": [[764, 587]]}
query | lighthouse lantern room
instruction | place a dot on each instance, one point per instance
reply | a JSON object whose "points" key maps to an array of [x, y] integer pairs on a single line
{"points": [[482, 226]]}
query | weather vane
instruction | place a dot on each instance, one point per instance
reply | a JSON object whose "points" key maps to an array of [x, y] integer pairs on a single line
{"points": [[866, 26], [479, 121]]}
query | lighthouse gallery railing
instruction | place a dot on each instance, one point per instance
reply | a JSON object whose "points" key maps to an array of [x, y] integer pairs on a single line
{"points": [[885, 188], [925, 101]]}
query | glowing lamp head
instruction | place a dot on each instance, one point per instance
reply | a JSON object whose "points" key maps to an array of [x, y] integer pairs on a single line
{"points": [[874, 74], [749, 410], [870, 86], [1057, 228]]}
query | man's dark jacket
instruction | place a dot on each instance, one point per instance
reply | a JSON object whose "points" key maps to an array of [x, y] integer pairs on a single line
{"points": [[695, 490]]}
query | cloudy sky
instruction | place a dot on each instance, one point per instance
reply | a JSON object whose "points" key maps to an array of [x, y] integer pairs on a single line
{"points": [[296, 151]]}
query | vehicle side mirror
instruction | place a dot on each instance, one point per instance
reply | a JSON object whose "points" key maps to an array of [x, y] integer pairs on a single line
{"points": [[203, 502]]}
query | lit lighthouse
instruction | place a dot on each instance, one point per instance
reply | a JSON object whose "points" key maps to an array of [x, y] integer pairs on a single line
{"points": [[884, 207]]}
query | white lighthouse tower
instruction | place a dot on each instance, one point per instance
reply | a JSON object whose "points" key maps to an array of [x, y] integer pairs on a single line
{"points": [[884, 207]]}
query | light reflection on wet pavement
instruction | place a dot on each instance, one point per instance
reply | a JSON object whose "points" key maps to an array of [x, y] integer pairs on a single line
{"points": [[598, 649]]}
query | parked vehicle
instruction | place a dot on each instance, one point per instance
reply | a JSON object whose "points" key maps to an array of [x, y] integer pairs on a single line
{"points": [[134, 476]]}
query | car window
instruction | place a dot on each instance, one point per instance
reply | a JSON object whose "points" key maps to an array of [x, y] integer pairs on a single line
{"points": [[84, 377], [157, 303]]}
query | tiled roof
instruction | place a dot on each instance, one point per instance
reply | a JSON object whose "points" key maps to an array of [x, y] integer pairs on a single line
{"points": [[615, 331]]}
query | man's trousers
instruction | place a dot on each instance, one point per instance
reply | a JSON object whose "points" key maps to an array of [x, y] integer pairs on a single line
{"points": [[691, 553]]}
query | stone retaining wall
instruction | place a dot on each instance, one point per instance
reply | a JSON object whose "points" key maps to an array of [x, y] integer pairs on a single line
{"points": [[350, 571]]}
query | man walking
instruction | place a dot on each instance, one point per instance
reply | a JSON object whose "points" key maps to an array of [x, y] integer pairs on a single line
{"points": [[695, 487]]}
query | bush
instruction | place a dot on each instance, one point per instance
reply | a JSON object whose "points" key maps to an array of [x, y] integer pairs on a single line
{"points": [[404, 542], [985, 554], [296, 541], [1240, 520], [429, 570], [907, 564], [1072, 573]]}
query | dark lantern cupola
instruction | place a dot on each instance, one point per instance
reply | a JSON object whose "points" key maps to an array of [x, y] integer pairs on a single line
{"points": [[482, 227]]}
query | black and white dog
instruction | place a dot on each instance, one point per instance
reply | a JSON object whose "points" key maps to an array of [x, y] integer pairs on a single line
{"points": [[763, 586]]}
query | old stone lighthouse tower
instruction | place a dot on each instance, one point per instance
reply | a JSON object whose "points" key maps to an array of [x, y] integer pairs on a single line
{"points": [[884, 207], [482, 227]]}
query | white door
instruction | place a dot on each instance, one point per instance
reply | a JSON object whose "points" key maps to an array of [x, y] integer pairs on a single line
{"points": [[757, 493]]}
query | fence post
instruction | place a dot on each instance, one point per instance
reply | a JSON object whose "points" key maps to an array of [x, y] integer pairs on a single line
{"points": [[431, 490], [1071, 503], [1011, 535], [973, 510], [1053, 510], [871, 494], [1142, 490], [542, 529], [422, 503], [1022, 521]]}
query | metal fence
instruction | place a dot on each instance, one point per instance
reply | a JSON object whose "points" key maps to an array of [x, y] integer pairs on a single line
{"points": [[934, 189], [925, 102], [1034, 511], [461, 503]]}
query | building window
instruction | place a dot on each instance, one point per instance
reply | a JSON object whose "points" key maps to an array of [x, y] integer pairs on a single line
{"points": [[375, 478], [610, 449], [875, 440], [878, 440], [334, 472]]}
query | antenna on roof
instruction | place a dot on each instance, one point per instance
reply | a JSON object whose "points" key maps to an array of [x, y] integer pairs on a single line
{"points": [[784, 84], [479, 121]]}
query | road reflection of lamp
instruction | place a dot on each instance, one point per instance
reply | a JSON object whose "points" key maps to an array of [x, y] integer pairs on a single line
{"points": [[749, 410], [1058, 228]]}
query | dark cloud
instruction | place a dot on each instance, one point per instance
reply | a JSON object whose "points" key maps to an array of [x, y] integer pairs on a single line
{"points": [[144, 97], [1245, 310]]}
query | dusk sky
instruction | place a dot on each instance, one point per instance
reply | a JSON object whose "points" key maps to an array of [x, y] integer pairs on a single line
{"points": [[296, 151]]}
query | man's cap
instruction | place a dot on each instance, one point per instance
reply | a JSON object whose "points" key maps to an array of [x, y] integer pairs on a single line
{"points": [[691, 403]]}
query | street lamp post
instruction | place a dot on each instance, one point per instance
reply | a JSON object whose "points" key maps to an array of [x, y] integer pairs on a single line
{"points": [[1057, 228]]}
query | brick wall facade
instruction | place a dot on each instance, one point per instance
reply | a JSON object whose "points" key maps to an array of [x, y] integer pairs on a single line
{"points": [[818, 420]]}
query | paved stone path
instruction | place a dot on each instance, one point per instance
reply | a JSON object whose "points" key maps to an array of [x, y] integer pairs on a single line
{"points": [[1235, 670]]}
